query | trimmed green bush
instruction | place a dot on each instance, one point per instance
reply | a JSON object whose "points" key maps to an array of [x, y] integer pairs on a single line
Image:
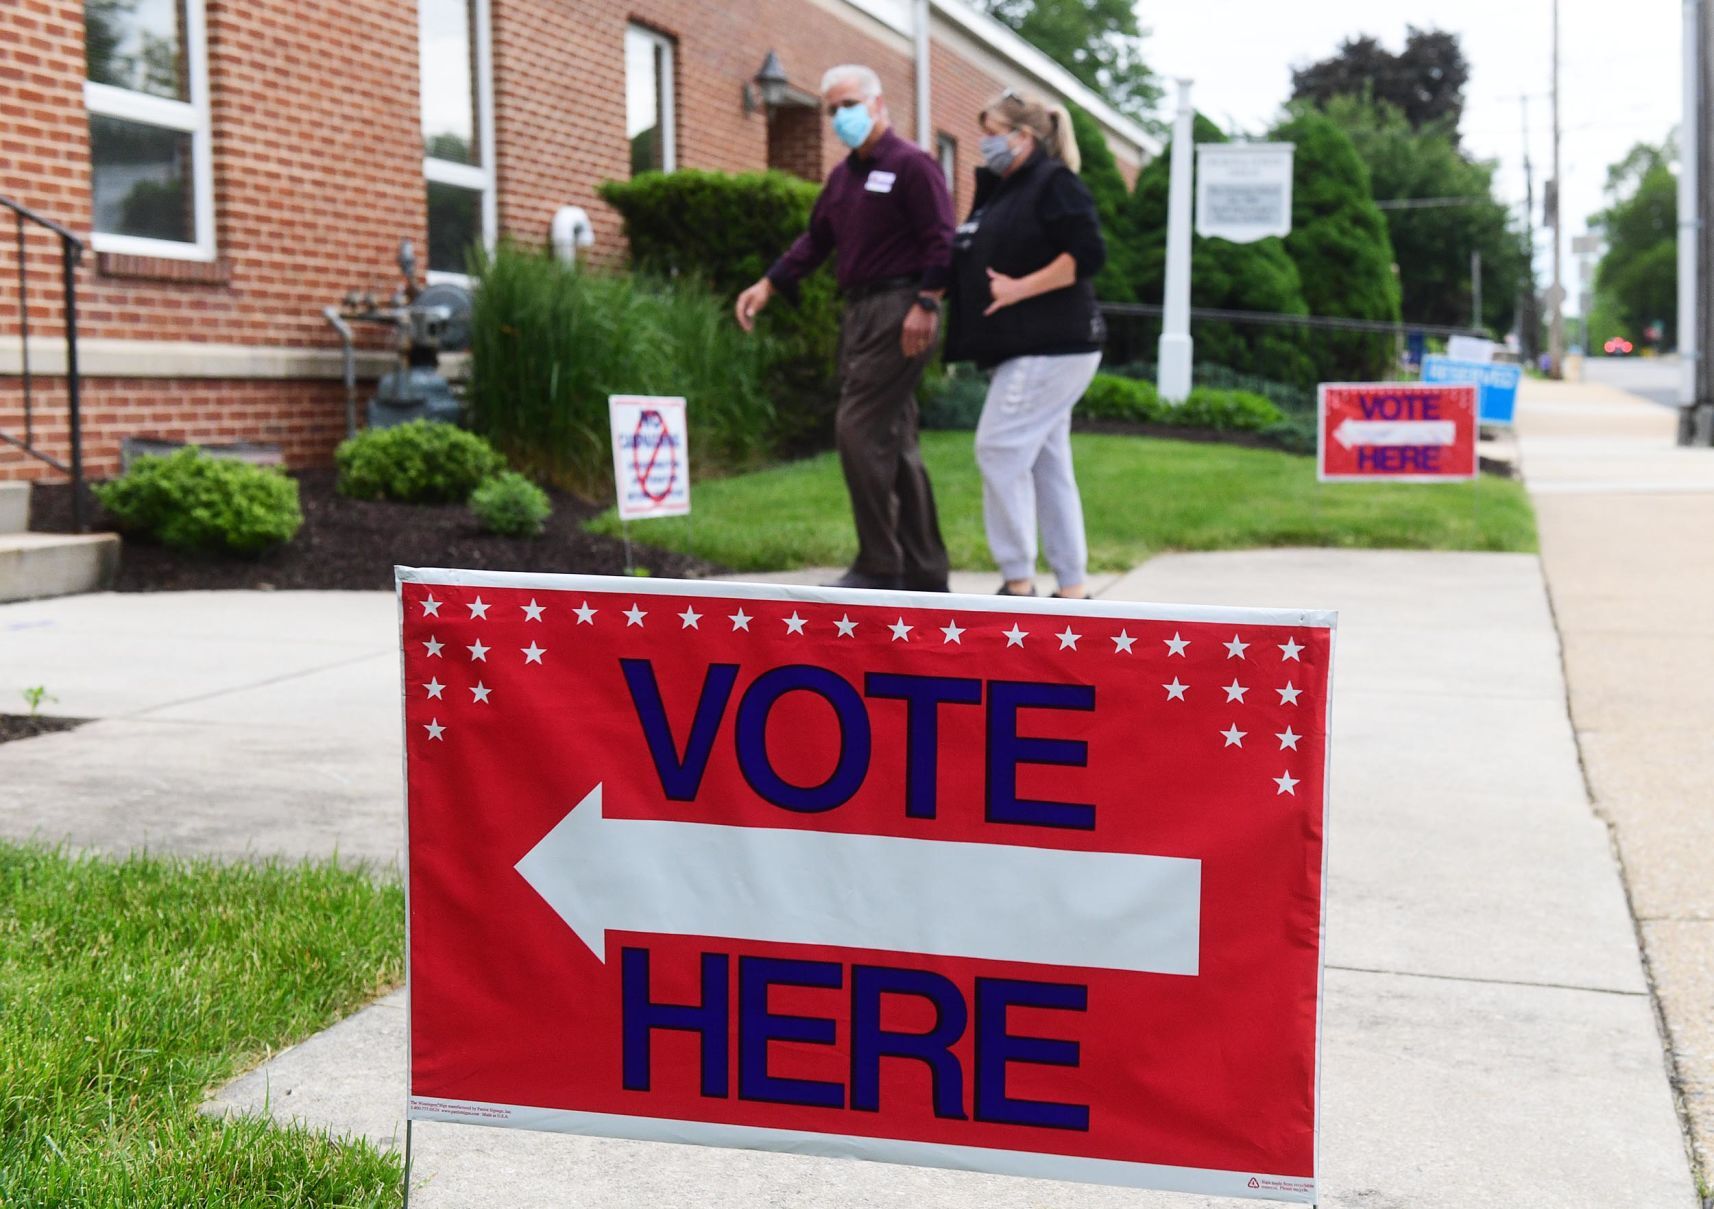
{"points": [[510, 505], [190, 500], [1225, 411], [422, 462], [1112, 397], [952, 400], [550, 343]]}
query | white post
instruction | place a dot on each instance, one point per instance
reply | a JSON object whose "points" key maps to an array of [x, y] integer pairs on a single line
{"points": [[1688, 212], [1173, 372], [925, 113]]}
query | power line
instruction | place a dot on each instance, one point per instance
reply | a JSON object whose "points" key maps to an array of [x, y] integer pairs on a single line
{"points": [[1335, 323]]}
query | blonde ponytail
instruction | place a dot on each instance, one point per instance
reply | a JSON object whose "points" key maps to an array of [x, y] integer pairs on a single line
{"points": [[1049, 121], [1062, 137]]}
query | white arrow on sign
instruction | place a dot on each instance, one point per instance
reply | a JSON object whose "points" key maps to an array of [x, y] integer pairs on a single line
{"points": [[1000, 902], [1395, 432]]}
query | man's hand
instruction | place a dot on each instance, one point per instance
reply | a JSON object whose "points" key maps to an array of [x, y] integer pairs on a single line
{"points": [[751, 301], [916, 337], [1004, 291]]}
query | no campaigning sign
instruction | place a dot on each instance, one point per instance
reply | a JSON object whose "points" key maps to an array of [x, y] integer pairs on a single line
{"points": [[1023, 887]]}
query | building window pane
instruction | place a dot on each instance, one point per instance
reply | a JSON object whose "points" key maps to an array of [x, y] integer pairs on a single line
{"points": [[448, 76], [947, 148], [142, 180], [137, 45], [648, 100], [454, 226]]}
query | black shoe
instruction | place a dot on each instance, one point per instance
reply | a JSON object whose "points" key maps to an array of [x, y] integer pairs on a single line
{"points": [[1006, 590], [856, 579]]}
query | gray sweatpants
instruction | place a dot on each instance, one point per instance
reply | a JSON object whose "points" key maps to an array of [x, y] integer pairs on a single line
{"points": [[1023, 445]]}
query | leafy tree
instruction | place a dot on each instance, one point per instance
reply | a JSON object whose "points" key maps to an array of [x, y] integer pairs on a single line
{"points": [[1098, 41], [1432, 245], [1256, 276], [1113, 204], [1425, 80], [1339, 243], [1636, 282]]}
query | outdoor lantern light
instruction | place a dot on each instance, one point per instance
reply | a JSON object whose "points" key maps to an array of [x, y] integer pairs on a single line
{"points": [[771, 81]]}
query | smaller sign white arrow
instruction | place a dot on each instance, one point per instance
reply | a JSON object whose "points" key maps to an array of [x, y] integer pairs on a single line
{"points": [[1395, 432], [1000, 902]]}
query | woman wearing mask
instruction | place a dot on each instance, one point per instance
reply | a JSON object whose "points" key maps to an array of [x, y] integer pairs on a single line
{"points": [[1022, 305]]}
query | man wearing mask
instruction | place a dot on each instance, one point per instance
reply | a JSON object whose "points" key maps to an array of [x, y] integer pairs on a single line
{"points": [[885, 211]]}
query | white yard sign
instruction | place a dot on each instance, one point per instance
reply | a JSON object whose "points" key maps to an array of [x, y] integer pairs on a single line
{"points": [[651, 455], [1243, 190]]}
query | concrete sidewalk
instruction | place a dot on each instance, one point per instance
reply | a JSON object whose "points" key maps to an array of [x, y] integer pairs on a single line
{"points": [[1489, 1040], [1626, 520]]}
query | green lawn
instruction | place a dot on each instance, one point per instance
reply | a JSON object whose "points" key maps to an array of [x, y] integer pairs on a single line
{"points": [[129, 988], [1141, 496]]}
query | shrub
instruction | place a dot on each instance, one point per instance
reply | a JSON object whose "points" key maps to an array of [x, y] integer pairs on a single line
{"points": [[953, 401], [1225, 410], [1112, 397], [510, 505], [190, 500], [422, 462], [727, 228], [550, 343]]}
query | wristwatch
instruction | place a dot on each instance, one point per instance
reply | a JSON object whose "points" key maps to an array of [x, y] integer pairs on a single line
{"points": [[929, 303]]}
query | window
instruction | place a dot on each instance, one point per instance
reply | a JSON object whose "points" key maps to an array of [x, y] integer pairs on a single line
{"points": [[649, 100], [946, 150], [457, 123], [146, 90]]}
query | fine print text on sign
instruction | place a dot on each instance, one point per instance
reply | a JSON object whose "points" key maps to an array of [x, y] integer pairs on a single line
{"points": [[1396, 431], [953, 881], [1243, 190], [651, 455], [1496, 384]]}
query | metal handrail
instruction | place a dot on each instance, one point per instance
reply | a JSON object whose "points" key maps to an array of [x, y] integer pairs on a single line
{"points": [[71, 253]]}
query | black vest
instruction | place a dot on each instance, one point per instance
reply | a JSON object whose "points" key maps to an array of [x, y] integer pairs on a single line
{"points": [[1004, 232]]}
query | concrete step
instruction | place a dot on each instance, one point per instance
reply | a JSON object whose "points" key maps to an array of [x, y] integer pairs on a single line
{"points": [[34, 565], [14, 507]]}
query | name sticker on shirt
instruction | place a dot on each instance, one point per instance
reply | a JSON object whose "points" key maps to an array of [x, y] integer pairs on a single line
{"points": [[880, 182]]}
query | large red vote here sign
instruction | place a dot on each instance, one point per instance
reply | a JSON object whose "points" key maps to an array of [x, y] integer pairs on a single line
{"points": [[1397, 431], [1031, 887]]}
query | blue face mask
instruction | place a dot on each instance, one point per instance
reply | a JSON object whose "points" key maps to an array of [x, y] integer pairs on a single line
{"points": [[852, 124], [997, 153]]}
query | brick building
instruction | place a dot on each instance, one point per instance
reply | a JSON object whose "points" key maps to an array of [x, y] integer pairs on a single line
{"points": [[237, 165]]}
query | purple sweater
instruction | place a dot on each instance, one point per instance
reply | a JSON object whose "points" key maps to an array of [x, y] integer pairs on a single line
{"points": [[887, 215]]}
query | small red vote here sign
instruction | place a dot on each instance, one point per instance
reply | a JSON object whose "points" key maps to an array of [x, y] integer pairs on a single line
{"points": [[1397, 431], [1028, 887]]}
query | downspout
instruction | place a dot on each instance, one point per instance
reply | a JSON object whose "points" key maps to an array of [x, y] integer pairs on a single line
{"points": [[925, 115]]}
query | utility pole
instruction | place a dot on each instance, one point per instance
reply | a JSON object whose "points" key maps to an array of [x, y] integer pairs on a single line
{"points": [[1173, 368], [1476, 293], [1696, 231], [1556, 297], [1529, 316]]}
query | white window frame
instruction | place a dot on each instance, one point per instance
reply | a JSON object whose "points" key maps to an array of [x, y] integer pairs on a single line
{"points": [[943, 143], [186, 117], [479, 176], [668, 98]]}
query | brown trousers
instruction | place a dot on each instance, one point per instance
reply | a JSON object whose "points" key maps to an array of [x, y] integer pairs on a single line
{"points": [[875, 427]]}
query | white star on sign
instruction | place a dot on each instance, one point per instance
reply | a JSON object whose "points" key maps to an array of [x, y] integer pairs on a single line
{"points": [[434, 728], [954, 633], [431, 606], [434, 688], [534, 611], [1175, 690], [1175, 645], [1067, 638], [1122, 642], [478, 652], [901, 631], [433, 644], [740, 621], [794, 623], [845, 626], [478, 608], [1234, 736], [1015, 636], [1287, 784], [533, 653], [585, 614], [1235, 649], [690, 617], [1288, 739], [1288, 694], [1235, 691], [1289, 649], [480, 692], [634, 615]]}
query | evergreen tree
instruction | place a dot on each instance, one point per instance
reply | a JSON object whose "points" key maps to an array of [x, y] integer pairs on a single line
{"points": [[1636, 283]]}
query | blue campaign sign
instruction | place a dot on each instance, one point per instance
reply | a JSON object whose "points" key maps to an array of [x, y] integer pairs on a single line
{"points": [[1496, 384]]}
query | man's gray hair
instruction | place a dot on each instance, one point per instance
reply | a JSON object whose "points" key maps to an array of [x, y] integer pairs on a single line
{"points": [[864, 77]]}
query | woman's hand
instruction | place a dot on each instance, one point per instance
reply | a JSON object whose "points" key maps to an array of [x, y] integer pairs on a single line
{"points": [[1004, 291]]}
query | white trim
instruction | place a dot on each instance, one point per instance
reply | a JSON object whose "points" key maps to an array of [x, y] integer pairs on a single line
{"points": [[667, 97], [451, 172], [100, 357], [189, 117]]}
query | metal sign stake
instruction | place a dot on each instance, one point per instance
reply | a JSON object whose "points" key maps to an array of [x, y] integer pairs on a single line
{"points": [[407, 1204]]}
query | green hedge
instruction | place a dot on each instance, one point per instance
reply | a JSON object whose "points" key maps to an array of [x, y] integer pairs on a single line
{"points": [[726, 229], [510, 505], [190, 500], [421, 462], [1114, 397]]}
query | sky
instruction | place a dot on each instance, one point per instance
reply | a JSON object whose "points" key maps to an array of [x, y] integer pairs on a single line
{"points": [[1620, 77]]}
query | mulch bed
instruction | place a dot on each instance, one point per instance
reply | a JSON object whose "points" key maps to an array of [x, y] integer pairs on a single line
{"points": [[354, 545], [27, 726]]}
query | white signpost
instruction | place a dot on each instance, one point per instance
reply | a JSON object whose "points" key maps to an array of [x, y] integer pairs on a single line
{"points": [[1243, 190]]}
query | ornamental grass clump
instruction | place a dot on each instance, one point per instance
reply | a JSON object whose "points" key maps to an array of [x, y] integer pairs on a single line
{"points": [[510, 505], [196, 502]]}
